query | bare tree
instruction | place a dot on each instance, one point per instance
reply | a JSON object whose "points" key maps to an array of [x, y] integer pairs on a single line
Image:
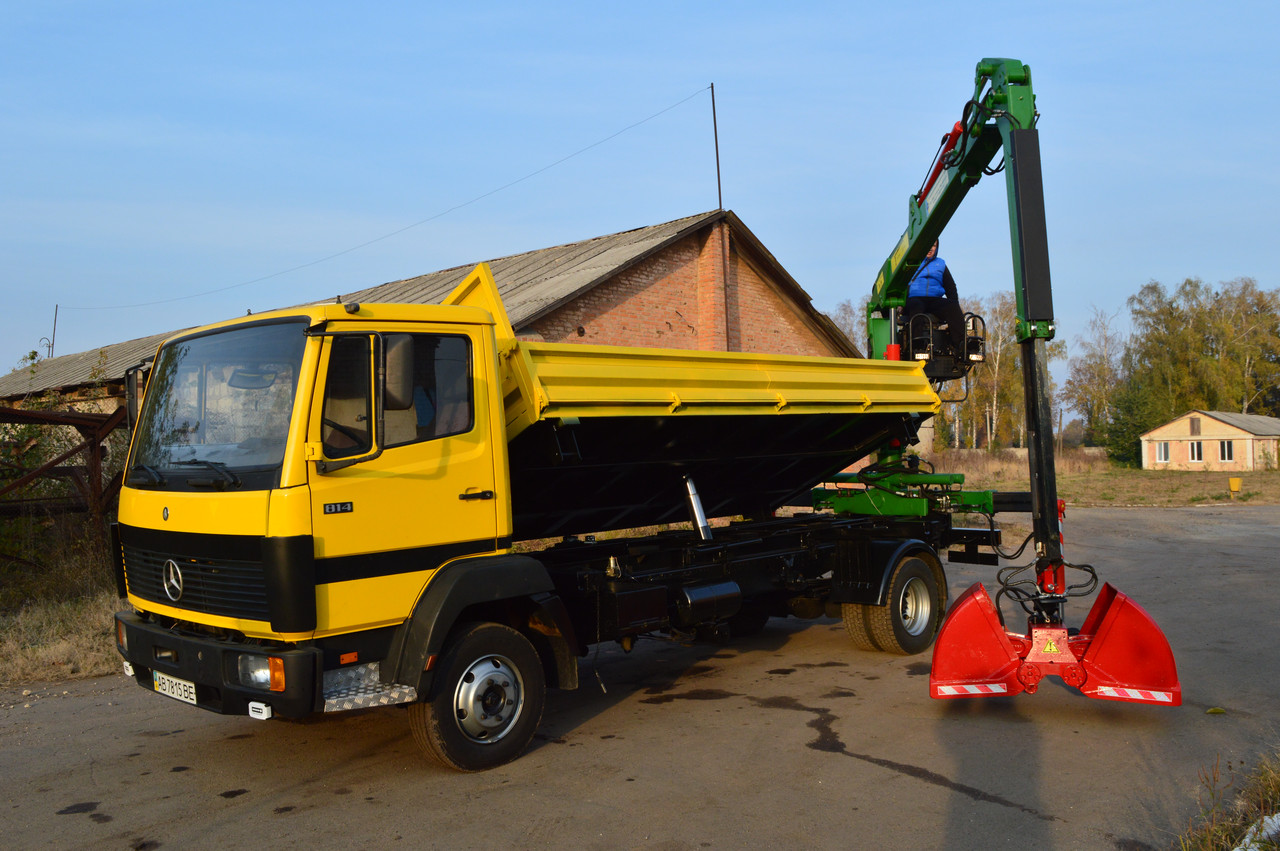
{"points": [[1094, 374], [999, 377], [853, 321]]}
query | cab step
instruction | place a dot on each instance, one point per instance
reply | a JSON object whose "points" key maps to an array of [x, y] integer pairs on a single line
{"points": [[360, 687]]}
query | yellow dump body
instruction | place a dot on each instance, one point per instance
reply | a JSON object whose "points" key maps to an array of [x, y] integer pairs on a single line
{"points": [[602, 437]]}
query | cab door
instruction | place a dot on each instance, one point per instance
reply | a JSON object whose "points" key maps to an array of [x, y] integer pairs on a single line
{"points": [[392, 505]]}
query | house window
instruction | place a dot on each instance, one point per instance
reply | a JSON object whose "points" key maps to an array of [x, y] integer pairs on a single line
{"points": [[1162, 452], [1225, 450], [1195, 451], [1195, 426]]}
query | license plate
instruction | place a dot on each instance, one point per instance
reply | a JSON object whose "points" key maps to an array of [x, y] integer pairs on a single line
{"points": [[174, 687]]}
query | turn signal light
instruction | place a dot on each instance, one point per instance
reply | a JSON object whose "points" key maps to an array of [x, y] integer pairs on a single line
{"points": [[277, 673]]}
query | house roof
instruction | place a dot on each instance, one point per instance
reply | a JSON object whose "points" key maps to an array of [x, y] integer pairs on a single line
{"points": [[1255, 424], [84, 368], [532, 284]]}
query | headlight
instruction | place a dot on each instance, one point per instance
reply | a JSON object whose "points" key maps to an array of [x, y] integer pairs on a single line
{"points": [[264, 672], [122, 637]]}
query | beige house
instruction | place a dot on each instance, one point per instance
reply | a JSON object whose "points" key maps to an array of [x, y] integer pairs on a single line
{"points": [[1213, 440]]}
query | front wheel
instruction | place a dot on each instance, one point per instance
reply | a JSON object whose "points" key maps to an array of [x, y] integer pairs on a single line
{"points": [[486, 700], [908, 623]]}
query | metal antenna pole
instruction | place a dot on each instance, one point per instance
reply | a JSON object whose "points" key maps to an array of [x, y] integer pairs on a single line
{"points": [[715, 129]]}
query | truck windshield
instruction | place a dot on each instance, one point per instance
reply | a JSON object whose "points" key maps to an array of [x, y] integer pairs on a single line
{"points": [[217, 410]]}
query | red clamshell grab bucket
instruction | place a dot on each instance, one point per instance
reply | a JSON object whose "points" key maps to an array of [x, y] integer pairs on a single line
{"points": [[973, 656], [1125, 654], [1119, 654]]}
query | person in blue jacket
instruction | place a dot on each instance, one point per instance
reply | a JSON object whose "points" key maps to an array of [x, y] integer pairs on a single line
{"points": [[933, 290]]}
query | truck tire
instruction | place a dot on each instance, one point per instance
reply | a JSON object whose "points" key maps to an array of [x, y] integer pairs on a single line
{"points": [[486, 700], [910, 620], [855, 623]]}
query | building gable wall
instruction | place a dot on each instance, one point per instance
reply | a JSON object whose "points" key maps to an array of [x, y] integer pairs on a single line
{"points": [[652, 304], [680, 299], [1209, 427], [762, 319]]}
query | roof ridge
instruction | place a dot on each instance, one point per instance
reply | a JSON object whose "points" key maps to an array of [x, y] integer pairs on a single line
{"points": [[463, 267], [605, 236]]}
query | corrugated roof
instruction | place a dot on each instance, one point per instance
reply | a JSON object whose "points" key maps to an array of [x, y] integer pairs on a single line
{"points": [[532, 284], [105, 364], [1255, 424]]}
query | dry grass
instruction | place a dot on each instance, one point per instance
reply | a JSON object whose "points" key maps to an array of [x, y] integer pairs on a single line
{"points": [[57, 596], [1224, 820], [64, 562], [1089, 480], [59, 640]]}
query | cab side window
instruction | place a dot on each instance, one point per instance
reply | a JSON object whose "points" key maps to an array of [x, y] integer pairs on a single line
{"points": [[442, 401], [345, 425]]}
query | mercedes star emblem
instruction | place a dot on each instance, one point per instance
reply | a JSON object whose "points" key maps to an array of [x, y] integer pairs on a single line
{"points": [[172, 580]]}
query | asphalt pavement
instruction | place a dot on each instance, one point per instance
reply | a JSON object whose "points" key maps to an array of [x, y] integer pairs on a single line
{"points": [[789, 739]]}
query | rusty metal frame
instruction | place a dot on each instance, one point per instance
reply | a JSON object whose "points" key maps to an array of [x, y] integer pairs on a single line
{"points": [[94, 429]]}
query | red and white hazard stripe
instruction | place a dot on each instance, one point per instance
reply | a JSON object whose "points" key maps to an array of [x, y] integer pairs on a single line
{"points": [[1136, 694], [971, 690]]}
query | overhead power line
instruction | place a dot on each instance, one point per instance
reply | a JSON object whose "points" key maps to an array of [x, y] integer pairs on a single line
{"points": [[398, 231]]}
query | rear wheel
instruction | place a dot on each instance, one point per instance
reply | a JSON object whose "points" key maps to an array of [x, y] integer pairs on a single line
{"points": [[486, 700], [855, 623], [908, 623]]}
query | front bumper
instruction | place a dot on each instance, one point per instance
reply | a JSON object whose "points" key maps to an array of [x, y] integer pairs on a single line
{"points": [[213, 665]]}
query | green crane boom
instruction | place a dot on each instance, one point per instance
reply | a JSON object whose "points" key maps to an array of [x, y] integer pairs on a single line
{"points": [[1119, 653]]}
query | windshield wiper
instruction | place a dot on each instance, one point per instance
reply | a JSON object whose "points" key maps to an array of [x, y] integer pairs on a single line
{"points": [[216, 466], [152, 472]]}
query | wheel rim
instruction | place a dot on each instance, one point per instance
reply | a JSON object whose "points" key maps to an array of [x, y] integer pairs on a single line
{"points": [[489, 699], [917, 607]]}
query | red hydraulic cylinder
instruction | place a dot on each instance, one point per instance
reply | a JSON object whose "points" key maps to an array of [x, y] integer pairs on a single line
{"points": [[948, 144]]}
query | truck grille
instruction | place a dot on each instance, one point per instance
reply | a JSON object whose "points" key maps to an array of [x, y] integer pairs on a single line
{"points": [[226, 587]]}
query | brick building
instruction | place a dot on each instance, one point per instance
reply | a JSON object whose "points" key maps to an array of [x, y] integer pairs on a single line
{"points": [[702, 282], [1213, 440]]}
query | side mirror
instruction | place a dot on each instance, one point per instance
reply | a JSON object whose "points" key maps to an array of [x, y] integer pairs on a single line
{"points": [[135, 385]]}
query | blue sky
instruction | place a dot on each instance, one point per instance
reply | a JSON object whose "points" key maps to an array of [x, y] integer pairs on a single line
{"points": [[194, 156]]}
